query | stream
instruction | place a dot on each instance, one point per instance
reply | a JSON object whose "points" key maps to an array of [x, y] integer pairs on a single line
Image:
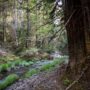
{"points": [[21, 70]]}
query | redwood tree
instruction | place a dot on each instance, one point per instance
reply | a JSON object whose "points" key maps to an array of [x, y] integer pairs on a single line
{"points": [[77, 18]]}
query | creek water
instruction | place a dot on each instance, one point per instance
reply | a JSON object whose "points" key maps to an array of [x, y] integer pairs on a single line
{"points": [[21, 70]]}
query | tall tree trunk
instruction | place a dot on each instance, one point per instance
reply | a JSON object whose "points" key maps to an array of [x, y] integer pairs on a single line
{"points": [[4, 23], [77, 15], [28, 24], [15, 25]]}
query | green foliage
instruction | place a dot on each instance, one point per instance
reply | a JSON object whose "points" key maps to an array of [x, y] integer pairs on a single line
{"points": [[32, 3], [29, 50], [19, 49], [45, 30], [9, 57], [25, 63], [17, 62], [31, 72], [66, 81], [49, 48], [8, 81], [52, 65], [42, 26], [33, 49], [30, 54], [49, 1], [46, 67], [13, 64], [4, 67], [21, 63]]}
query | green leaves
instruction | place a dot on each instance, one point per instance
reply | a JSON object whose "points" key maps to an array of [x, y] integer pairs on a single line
{"points": [[7, 66], [44, 31], [66, 82], [49, 1], [4, 67]]}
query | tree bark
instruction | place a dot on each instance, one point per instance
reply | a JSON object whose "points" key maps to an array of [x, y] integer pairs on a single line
{"points": [[77, 13], [28, 25]]}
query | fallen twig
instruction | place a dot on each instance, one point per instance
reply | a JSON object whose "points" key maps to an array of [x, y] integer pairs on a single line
{"points": [[74, 82]]}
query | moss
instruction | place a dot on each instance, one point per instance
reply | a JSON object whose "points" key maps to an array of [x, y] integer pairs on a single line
{"points": [[66, 81], [10, 64], [8, 81], [31, 72], [47, 67], [4, 67]]}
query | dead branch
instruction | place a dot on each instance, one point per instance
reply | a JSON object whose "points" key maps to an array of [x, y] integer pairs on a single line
{"points": [[76, 81]]}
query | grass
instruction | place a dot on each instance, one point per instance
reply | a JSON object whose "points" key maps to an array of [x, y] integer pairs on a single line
{"points": [[8, 81]]}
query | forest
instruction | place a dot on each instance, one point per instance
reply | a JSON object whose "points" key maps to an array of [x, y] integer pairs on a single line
{"points": [[44, 45]]}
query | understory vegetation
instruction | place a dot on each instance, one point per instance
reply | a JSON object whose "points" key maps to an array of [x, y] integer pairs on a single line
{"points": [[33, 39], [9, 69], [37, 37], [10, 79], [47, 67]]}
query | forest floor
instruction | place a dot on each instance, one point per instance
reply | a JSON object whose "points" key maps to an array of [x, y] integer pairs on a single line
{"points": [[30, 75], [42, 81]]}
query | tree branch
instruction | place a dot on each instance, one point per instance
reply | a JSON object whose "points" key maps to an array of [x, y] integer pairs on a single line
{"points": [[76, 81]]}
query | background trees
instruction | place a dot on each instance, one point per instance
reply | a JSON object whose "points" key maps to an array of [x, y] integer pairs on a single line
{"points": [[28, 23]]}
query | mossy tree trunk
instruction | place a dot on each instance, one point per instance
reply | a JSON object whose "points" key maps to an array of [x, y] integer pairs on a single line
{"points": [[77, 17]]}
